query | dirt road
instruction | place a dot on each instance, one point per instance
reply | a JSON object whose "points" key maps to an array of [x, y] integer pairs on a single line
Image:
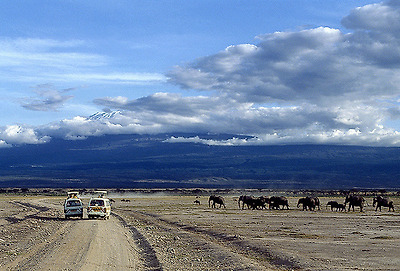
{"points": [[76, 244], [82, 245]]}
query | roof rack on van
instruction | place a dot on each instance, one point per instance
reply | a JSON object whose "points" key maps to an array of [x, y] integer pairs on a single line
{"points": [[73, 194], [101, 193]]}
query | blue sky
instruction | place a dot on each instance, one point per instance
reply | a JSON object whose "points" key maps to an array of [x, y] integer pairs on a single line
{"points": [[281, 71]]}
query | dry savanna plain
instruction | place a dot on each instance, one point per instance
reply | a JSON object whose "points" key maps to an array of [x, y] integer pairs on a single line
{"points": [[169, 231]]}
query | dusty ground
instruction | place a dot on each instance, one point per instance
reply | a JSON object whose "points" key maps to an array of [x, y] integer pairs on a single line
{"points": [[173, 233]]}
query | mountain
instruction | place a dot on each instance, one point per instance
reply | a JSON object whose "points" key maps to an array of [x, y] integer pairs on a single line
{"points": [[137, 161], [104, 115]]}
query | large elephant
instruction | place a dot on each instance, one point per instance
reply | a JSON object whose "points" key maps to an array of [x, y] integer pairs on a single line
{"points": [[259, 202], [276, 202], [381, 201], [354, 200], [248, 200], [216, 200], [308, 203], [333, 204]]}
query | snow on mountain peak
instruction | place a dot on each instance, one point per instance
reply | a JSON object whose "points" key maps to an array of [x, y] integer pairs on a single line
{"points": [[104, 115]]}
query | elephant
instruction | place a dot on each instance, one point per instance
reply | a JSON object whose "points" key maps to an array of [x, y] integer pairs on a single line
{"points": [[259, 202], [216, 200], [276, 202], [385, 202], [317, 202], [245, 200], [333, 204], [341, 207], [354, 200], [307, 202]]}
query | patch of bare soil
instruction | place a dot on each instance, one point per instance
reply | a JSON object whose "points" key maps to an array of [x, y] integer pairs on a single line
{"points": [[24, 225]]}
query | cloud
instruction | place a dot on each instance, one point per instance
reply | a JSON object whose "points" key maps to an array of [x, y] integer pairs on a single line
{"points": [[376, 39], [23, 54], [49, 99], [318, 85], [375, 17], [47, 60], [202, 114], [228, 142], [314, 86], [162, 103], [264, 125], [121, 78], [37, 45], [16, 135], [317, 66], [4, 144]]}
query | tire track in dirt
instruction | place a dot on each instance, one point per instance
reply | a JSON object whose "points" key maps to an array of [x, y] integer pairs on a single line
{"points": [[35, 208], [201, 246], [147, 252], [231, 242], [246, 247]]}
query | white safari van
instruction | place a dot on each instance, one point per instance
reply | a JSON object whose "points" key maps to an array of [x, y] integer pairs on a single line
{"points": [[73, 205], [99, 206]]}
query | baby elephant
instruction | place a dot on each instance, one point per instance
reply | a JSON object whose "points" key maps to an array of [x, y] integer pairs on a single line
{"points": [[340, 207]]}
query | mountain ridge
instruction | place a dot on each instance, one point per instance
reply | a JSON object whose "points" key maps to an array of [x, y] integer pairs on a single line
{"points": [[149, 161]]}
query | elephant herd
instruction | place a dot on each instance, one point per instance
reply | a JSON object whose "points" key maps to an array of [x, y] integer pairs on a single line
{"points": [[307, 203], [261, 202]]}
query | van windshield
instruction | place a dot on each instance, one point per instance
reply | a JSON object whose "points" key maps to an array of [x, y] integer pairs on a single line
{"points": [[71, 203], [96, 202]]}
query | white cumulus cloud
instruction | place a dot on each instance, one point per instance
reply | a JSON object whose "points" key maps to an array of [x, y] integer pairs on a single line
{"points": [[16, 135]]}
